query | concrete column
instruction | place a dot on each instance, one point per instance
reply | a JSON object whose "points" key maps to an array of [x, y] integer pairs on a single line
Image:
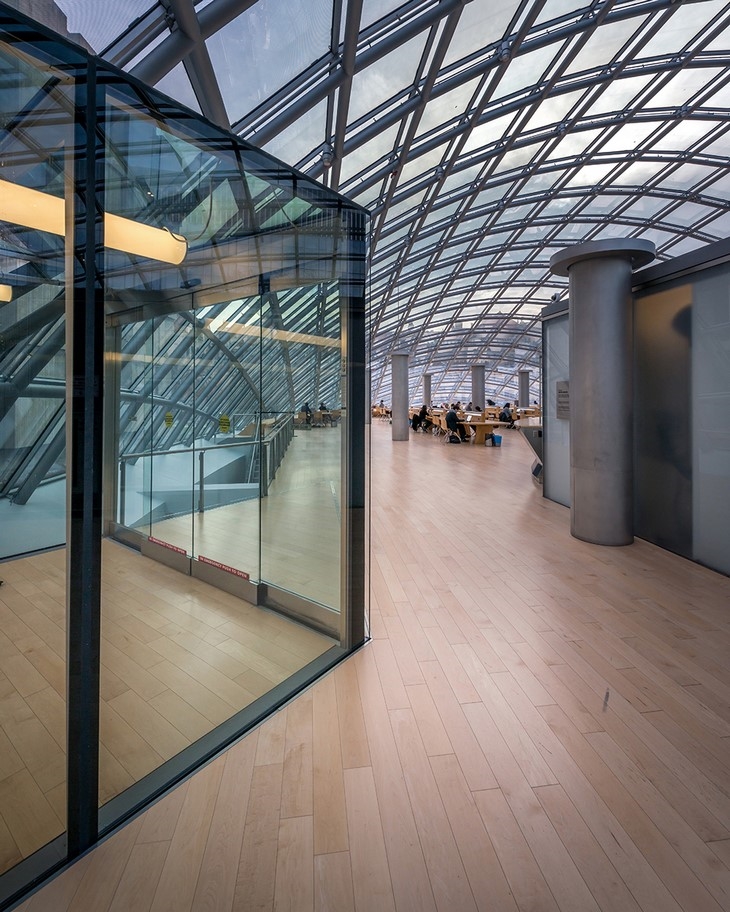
{"points": [[523, 389], [478, 395], [601, 385], [426, 389], [399, 381]]}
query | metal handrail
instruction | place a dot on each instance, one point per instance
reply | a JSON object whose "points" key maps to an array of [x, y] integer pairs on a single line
{"points": [[271, 453]]}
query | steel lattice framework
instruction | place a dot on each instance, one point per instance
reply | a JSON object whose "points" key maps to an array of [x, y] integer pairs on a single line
{"points": [[483, 136]]}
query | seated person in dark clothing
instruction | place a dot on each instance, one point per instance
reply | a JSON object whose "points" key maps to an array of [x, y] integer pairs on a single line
{"points": [[506, 415], [419, 419], [453, 424]]}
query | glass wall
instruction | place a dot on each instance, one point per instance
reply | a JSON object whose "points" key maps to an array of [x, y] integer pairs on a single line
{"points": [[36, 134], [182, 439]]}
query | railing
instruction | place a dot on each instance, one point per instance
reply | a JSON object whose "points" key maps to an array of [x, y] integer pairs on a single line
{"points": [[269, 442]]}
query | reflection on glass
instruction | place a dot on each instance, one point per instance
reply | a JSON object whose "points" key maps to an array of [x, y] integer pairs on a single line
{"points": [[300, 517], [216, 356], [32, 468], [207, 345]]}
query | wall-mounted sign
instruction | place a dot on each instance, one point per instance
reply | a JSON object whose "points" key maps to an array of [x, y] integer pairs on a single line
{"points": [[168, 419], [224, 423], [562, 399]]}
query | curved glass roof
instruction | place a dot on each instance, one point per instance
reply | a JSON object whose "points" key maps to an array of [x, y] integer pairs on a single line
{"points": [[483, 136]]}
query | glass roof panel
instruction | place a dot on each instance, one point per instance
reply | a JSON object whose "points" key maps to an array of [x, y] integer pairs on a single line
{"points": [[426, 162], [480, 24], [684, 135], [686, 22], [689, 213], [684, 85], [485, 134], [177, 85], [384, 78], [604, 44], [720, 227], [619, 94], [305, 134], [368, 153], [262, 49], [554, 9], [101, 23], [630, 136], [526, 69], [553, 110], [372, 10], [443, 108]]}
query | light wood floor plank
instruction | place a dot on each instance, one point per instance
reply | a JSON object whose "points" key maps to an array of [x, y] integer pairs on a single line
{"points": [[178, 879], [368, 854], [294, 887], [216, 885], [256, 875], [449, 882], [333, 883], [329, 808]]}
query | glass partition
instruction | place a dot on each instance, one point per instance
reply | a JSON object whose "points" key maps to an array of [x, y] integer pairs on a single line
{"points": [[36, 134], [300, 519], [180, 320]]}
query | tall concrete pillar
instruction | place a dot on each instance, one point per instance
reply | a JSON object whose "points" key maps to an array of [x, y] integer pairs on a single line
{"points": [[601, 385], [523, 389], [478, 396], [399, 380], [426, 389]]}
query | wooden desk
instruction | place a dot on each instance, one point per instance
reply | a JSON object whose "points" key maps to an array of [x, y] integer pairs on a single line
{"points": [[483, 429]]}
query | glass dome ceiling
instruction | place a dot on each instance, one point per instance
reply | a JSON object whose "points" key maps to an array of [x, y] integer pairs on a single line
{"points": [[483, 136]]}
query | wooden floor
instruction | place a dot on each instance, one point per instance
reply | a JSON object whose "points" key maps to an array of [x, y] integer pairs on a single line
{"points": [[178, 658], [538, 724]]}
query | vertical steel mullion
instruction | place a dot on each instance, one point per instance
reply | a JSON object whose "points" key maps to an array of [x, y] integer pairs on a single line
{"points": [[353, 329], [85, 381]]}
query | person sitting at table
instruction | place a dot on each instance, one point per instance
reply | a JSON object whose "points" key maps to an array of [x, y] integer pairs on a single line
{"points": [[454, 425], [419, 418], [491, 402], [506, 415], [470, 407]]}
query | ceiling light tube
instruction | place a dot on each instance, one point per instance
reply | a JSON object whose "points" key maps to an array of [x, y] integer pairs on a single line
{"points": [[32, 208], [45, 212], [144, 240]]}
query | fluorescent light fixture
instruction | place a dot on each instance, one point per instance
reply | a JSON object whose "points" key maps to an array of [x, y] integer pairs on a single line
{"points": [[6, 293], [143, 240], [32, 208], [44, 212]]}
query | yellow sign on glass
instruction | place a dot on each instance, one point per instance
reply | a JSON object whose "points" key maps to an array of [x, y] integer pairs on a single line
{"points": [[168, 419], [224, 423]]}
